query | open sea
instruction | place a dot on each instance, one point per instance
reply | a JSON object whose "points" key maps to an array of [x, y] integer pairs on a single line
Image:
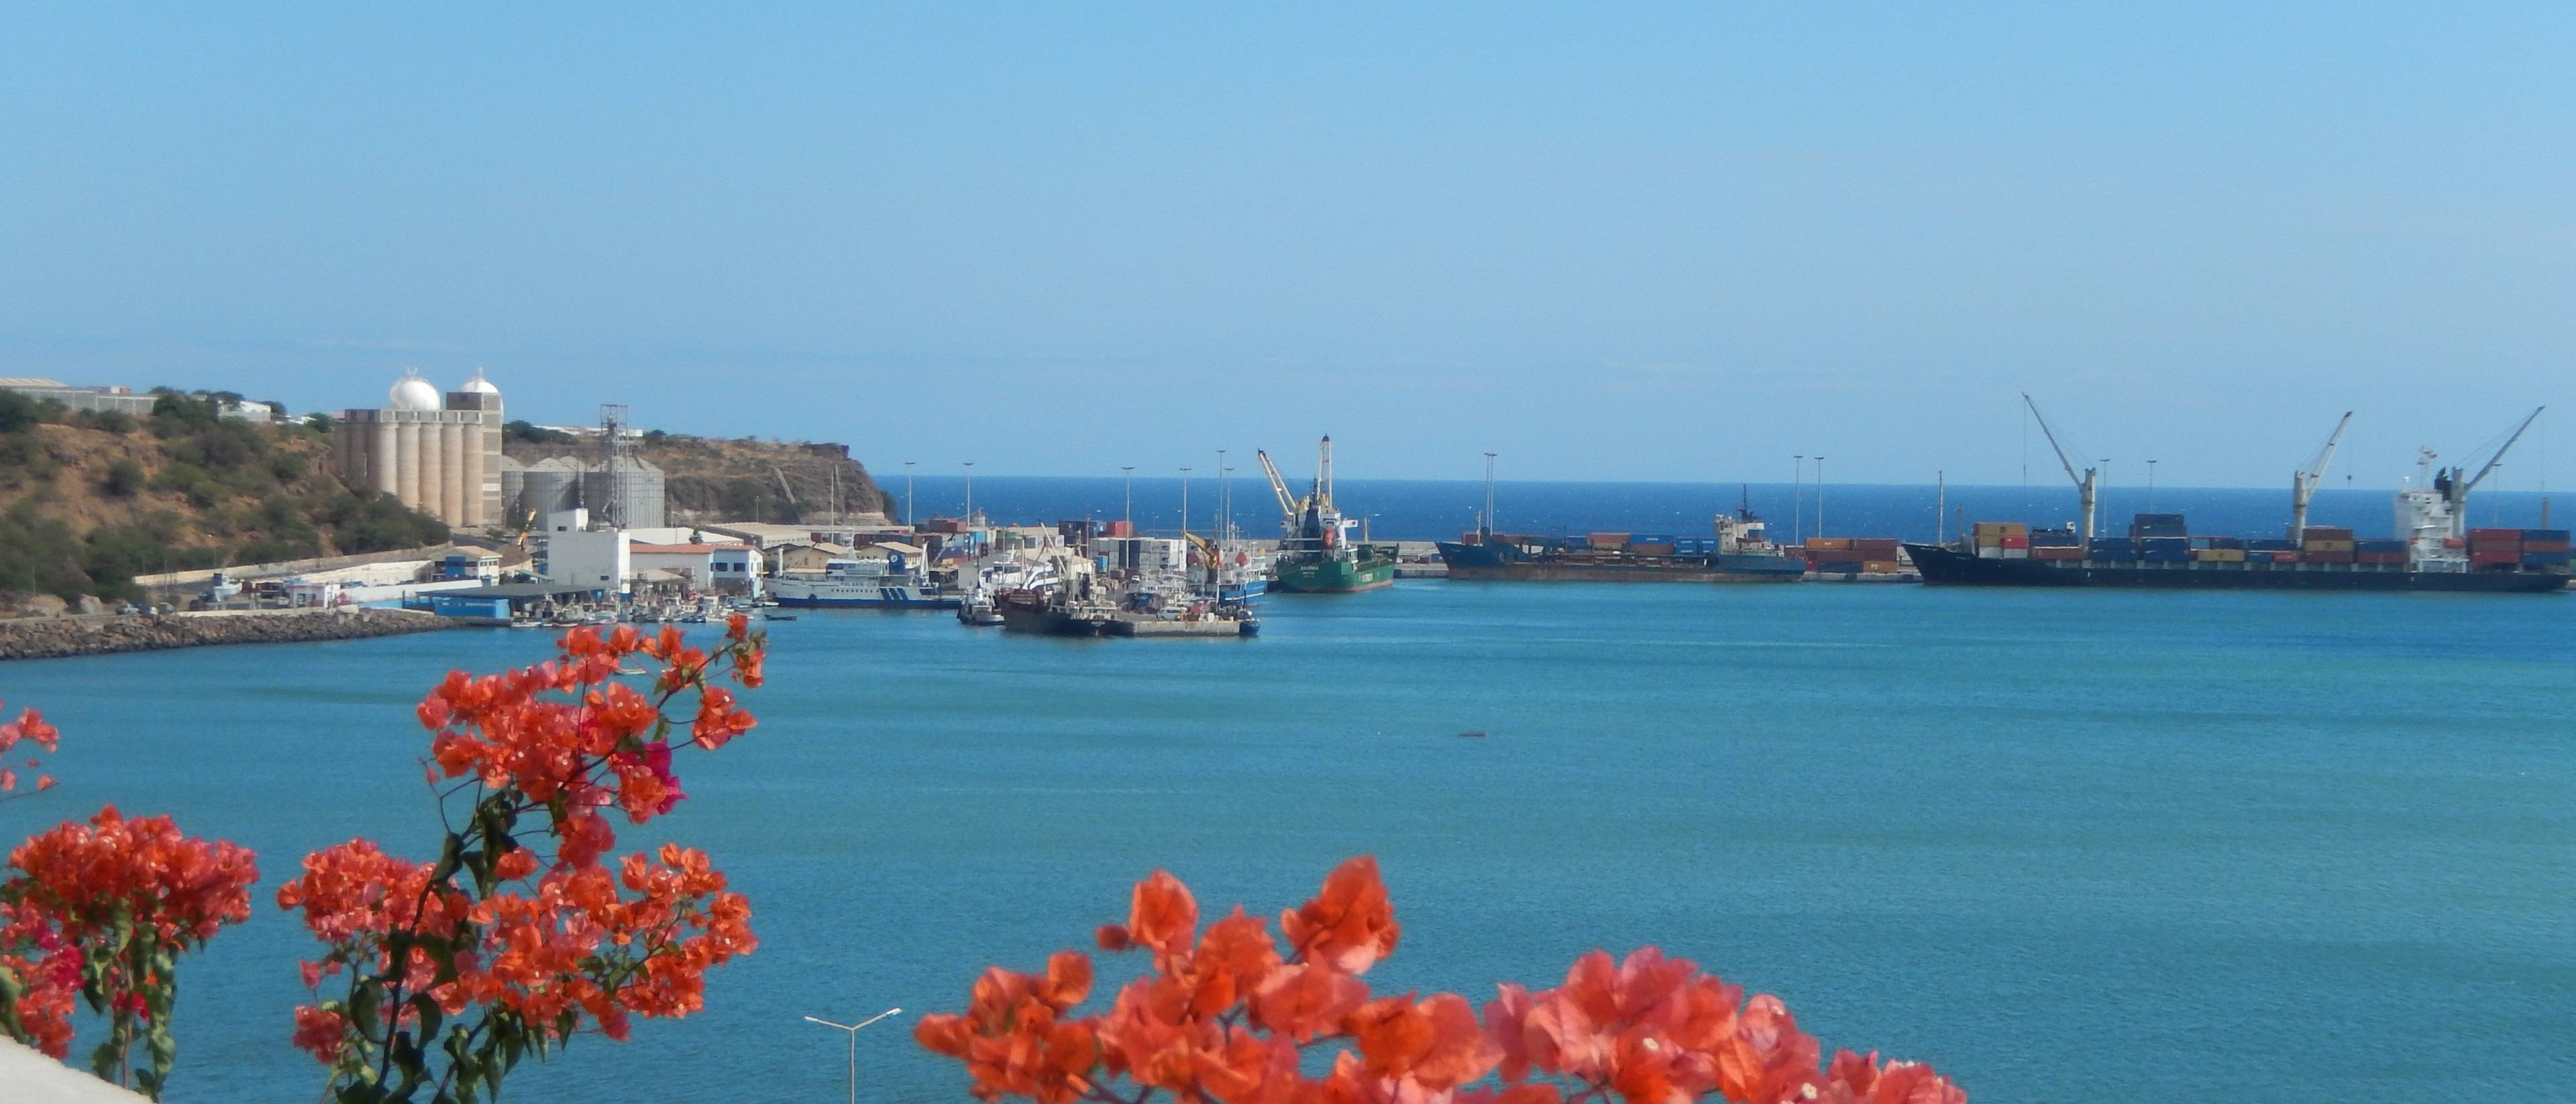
{"points": [[2066, 846]]}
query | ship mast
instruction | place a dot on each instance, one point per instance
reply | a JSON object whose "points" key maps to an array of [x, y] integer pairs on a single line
{"points": [[2085, 484], [2303, 483]]}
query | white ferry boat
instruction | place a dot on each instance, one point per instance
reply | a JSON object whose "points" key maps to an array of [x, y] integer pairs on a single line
{"points": [[889, 583]]}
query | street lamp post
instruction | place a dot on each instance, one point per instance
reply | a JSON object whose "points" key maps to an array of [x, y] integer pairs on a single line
{"points": [[1185, 507], [2151, 486], [852, 1030], [1221, 502], [970, 494], [1130, 469], [907, 493]]}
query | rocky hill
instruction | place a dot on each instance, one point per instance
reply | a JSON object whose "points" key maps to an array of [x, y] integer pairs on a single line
{"points": [[90, 500], [715, 479]]}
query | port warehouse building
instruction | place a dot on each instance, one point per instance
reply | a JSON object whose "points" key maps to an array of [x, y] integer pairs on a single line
{"points": [[116, 398]]}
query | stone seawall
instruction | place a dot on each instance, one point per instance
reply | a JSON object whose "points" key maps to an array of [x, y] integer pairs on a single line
{"points": [[59, 637]]}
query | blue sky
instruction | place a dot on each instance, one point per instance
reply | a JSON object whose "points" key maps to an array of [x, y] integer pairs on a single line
{"points": [[1658, 242]]}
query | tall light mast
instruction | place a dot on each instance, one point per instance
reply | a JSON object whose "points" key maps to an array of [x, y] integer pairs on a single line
{"points": [[2086, 484], [2303, 483]]}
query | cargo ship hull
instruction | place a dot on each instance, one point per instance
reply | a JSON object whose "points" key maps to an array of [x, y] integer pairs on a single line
{"points": [[1949, 567], [1333, 576], [1492, 562]]}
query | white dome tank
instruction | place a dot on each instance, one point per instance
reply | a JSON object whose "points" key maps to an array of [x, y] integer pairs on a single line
{"points": [[413, 393], [480, 386]]}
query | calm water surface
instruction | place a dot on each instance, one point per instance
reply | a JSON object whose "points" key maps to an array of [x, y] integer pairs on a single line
{"points": [[2068, 846]]}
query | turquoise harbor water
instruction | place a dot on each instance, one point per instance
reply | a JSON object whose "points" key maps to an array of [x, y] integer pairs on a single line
{"points": [[2068, 846]]}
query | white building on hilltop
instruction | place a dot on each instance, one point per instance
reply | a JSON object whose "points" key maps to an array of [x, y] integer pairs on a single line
{"points": [[437, 454]]}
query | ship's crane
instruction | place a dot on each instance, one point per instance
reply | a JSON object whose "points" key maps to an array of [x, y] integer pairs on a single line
{"points": [[2303, 483], [2456, 490], [1309, 521], [1289, 507], [2086, 485]]}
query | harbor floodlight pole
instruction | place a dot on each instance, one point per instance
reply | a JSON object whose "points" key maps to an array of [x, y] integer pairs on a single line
{"points": [[2303, 483], [1222, 505], [907, 493], [1798, 499], [1820, 496], [1486, 535], [2086, 485], [1185, 507], [2151, 486], [970, 493], [852, 1030], [1130, 469]]}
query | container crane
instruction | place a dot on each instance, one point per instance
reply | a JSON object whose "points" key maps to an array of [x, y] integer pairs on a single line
{"points": [[2303, 483], [2086, 485], [1312, 518]]}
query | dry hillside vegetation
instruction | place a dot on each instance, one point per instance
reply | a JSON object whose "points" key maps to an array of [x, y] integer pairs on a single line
{"points": [[90, 500], [713, 479]]}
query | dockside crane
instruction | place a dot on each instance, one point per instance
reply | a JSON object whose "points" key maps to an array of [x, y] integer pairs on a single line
{"points": [[1310, 518], [2455, 490], [2303, 483], [2086, 485]]}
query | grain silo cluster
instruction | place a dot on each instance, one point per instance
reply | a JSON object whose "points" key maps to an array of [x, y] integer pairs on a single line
{"points": [[437, 454]]}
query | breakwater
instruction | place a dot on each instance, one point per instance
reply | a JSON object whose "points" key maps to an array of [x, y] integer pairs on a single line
{"points": [[61, 637]]}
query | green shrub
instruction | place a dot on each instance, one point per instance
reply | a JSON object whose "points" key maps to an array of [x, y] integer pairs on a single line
{"points": [[124, 477]]}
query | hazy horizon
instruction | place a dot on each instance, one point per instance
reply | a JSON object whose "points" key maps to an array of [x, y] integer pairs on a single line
{"points": [[1611, 245]]}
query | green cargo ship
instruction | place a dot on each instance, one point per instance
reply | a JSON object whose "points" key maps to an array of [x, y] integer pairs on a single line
{"points": [[1348, 569], [1316, 553]]}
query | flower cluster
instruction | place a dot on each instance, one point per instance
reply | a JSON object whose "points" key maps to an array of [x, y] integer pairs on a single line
{"points": [[526, 935], [29, 728], [1225, 1016], [102, 909]]}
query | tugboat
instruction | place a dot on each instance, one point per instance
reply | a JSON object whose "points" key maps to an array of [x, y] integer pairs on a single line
{"points": [[1316, 553]]}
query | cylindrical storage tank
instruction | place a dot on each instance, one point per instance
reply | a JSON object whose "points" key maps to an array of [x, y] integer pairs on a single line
{"points": [[382, 458], [451, 474], [429, 469], [407, 463]]}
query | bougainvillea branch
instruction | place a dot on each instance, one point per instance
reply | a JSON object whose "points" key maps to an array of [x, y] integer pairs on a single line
{"points": [[1235, 1016], [98, 913], [524, 931]]}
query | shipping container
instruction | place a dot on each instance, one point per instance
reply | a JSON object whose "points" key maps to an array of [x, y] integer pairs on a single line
{"points": [[2379, 546], [1122, 529], [1659, 548], [2284, 555], [1875, 544], [2328, 532], [2011, 553], [2326, 555], [2218, 555], [2544, 546], [2321, 544], [2010, 544], [2272, 545], [1609, 540], [2379, 557], [2530, 535], [2484, 556], [1829, 544], [1837, 567], [2054, 552], [2056, 538], [2545, 559], [1878, 567], [2495, 535]]}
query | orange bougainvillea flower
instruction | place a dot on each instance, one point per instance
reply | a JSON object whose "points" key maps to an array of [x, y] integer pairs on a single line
{"points": [[1350, 924], [1230, 1020]]}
